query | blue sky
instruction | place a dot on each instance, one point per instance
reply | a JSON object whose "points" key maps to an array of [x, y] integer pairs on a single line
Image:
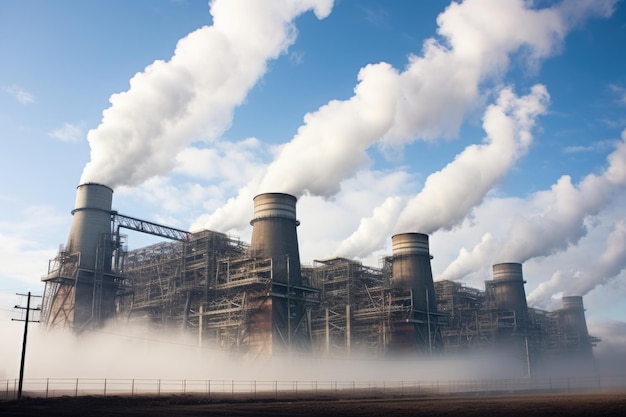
{"points": [[497, 127]]}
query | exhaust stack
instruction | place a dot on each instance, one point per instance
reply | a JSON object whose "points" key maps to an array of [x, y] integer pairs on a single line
{"points": [[574, 325], [91, 221], [281, 324], [81, 286], [274, 235], [508, 291], [411, 269]]}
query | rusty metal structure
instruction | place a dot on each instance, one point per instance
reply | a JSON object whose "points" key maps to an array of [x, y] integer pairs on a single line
{"points": [[259, 299], [499, 317]]}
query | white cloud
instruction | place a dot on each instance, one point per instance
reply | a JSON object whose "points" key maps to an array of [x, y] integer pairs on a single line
{"points": [[21, 95], [620, 93], [233, 164], [23, 254], [598, 146], [68, 133]]}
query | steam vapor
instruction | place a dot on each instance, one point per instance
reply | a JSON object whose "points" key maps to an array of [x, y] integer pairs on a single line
{"points": [[426, 101], [192, 96], [560, 215]]}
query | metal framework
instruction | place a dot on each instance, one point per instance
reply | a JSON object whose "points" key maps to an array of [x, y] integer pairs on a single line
{"points": [[132, 223], [208, 285]]}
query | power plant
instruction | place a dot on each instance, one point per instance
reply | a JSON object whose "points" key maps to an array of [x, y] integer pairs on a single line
{"points": [[258, 298]]}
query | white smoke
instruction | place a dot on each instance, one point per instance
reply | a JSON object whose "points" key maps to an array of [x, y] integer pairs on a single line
{"points": [[450, 194], [594, 272], [192, 96], [428, 100], [372, 231], [556, 221]]}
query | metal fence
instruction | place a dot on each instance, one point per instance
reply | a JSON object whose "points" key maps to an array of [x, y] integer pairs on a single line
{"points": [[253, 389]]}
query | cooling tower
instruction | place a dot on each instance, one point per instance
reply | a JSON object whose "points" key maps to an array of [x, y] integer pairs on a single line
{"points": [[573, 324], [508, 291], [412, 274], [81, 288], [280, 325], [274, 235], [411, 269], [90, 224]]}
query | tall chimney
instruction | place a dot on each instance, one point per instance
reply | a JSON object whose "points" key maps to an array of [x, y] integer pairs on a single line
{"points": [[280, 325], [91, 221], [574, 325], [411, 269], [81, 289], [274, 235], [508, 290]]}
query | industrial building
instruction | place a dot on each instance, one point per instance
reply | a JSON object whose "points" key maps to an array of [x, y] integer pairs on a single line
{"points": [[259, 299]]}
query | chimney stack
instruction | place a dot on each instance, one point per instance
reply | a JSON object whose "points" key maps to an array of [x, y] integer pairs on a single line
{"points": [[91, 221], [574, 325], [274, 235], [508, 290], [411, 269]]}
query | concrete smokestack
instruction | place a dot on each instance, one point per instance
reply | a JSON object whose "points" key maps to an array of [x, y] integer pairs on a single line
{"points": [[281, 324], [274, 235], [574, 325], [412, 270], [81, 288], [508, 290], [91, 221]]}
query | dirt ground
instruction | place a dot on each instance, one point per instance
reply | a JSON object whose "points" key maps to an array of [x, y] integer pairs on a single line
{"points": [[601, 404]]}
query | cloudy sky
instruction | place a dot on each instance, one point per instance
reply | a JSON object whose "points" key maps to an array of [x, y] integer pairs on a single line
{"points": [[497, 127]]}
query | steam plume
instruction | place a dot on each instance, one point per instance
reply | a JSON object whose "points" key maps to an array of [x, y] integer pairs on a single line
{"points": [[428, 100], [560, 218], [450, 194], [191, 97], [597, 271]]}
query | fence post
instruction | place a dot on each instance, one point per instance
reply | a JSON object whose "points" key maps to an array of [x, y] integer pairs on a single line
{"points": [[159, 387], [47, 386], [275, 389], [105, 388], [209, 389], [132, 388]]}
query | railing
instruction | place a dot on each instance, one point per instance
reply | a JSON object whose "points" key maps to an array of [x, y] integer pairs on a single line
{"points": [[253, 389]]}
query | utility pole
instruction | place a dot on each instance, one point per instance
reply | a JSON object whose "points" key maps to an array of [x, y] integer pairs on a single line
{"points": [[25, 320]]}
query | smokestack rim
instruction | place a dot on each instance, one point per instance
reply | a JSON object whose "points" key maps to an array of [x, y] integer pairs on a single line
{"points": [[410, 244], [274, 206], [295, 199], [512, 272], [411, 234], [572, 302], [94, 183], [93, 196]]}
